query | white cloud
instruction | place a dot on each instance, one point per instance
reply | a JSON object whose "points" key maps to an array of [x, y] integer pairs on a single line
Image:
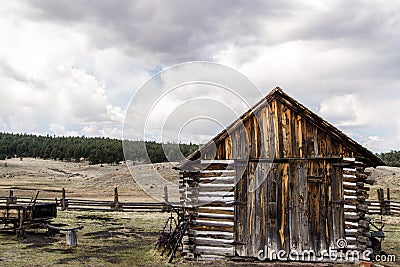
{"points": [[92, 130], [374, 142], [3, 126], [72, 67], [60, 130], [342, 110]]}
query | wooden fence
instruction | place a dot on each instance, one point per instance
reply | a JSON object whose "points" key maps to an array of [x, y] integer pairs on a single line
{"points": [[384, 206], [65, 203], [388, 207]]}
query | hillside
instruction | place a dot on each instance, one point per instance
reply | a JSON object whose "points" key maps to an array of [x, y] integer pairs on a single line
{"points": [[80, 179], [386, 177]]}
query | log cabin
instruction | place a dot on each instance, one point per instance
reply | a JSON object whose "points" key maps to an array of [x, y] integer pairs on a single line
{"points": [[279, 181]]}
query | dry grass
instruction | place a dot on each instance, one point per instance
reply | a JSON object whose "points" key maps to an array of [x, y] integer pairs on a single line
{"points": [[113, 238], [386, 177], [107, 239]]}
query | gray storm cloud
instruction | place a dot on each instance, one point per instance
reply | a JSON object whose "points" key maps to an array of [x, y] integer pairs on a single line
{"points": [[72, 67]]}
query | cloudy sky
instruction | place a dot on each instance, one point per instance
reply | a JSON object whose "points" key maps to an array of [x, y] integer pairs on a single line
{"points": [[72, 67]]}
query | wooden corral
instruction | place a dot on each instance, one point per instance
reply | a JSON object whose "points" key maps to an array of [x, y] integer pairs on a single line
{"points": [[279, 178]]}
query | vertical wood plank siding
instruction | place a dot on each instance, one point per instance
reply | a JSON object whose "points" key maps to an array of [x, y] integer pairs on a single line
{"points": [[276, 131]]}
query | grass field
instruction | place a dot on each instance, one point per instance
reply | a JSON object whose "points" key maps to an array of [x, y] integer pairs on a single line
{"points": [[107, 239], [122, 239]]}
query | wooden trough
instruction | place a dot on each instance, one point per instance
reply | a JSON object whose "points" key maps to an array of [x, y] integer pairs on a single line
{"points": [[280, 178]]}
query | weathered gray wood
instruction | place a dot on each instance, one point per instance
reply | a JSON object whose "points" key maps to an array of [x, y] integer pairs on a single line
{"points": [[212, 217], [241, 189], [314, 191], [303, 235], [72, 238], [216, 250], [211, 234], [338, 224], [213, 242], [272, 198], [218, 180], [251, 209]]}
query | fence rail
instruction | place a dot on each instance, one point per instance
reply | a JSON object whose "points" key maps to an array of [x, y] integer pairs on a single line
{"points": [[387, 208], [384, 206], [381, 206], [65, 203]]}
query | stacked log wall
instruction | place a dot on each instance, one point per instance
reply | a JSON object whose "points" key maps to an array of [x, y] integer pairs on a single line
{"points": [[355, 191], [208, 200]]}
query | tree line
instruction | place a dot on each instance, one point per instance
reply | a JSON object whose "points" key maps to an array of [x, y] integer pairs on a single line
{"points": [[391, 158], [96, 150]]}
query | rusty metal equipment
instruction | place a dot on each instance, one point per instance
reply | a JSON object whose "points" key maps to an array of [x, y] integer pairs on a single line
{"points": [[376, 236], [171, 236]]}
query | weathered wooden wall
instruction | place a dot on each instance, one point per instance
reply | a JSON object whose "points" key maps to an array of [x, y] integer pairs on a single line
{"points": [[290, 208], [279, 130], [294, 187]]}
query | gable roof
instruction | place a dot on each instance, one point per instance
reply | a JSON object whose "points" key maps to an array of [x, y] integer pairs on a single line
{"points": [[278, 94]]}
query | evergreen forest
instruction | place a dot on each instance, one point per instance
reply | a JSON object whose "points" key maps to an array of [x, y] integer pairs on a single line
{"points": [[96, 150]]}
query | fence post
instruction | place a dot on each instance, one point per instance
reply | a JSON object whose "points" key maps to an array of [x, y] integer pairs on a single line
{"points": [[116, 201], [64, 202], [166, 206], [387, 201], [166, 194], [381, 200], [11, 199]]}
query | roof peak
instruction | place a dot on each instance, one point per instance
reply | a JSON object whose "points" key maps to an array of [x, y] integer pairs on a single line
{"points": [[276, 91], [277, 94]]}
